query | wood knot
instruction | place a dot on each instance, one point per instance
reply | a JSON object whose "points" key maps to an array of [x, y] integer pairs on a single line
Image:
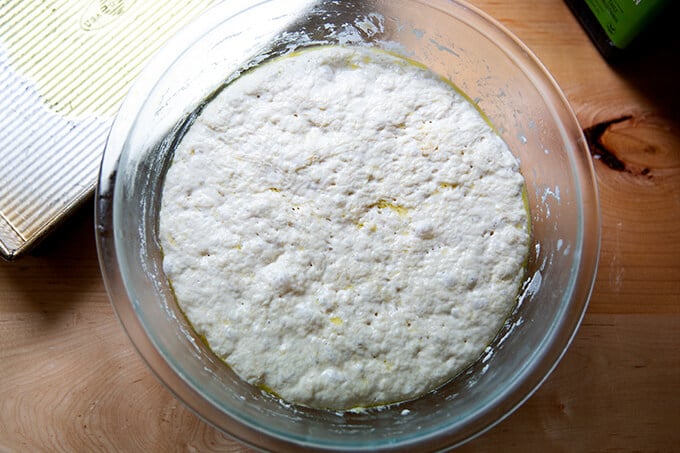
{"points": [[600, 150]]}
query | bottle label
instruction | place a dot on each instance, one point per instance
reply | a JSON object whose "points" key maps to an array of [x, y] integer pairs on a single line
{"points": [[623, 20]]}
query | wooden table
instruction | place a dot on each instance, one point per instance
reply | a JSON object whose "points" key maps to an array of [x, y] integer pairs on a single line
{"points": [[70, 380]]}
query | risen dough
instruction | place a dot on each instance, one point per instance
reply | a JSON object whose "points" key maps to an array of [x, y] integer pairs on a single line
{"points": [[344, 228]]}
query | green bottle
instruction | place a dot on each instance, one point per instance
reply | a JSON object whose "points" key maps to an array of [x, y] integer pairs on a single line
{"points": [[613, 25]]}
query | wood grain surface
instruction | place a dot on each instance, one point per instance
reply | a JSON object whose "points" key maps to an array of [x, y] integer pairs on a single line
{"points": [[70, 380]]}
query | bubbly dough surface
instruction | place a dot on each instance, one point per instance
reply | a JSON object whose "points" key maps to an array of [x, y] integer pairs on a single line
{"points": [[344, 228]]}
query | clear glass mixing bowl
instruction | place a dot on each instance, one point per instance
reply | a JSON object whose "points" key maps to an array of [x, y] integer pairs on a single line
{"points": [[455, 40]]}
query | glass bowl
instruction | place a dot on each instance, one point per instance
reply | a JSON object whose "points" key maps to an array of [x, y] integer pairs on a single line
{"points": [[453, 39]]}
